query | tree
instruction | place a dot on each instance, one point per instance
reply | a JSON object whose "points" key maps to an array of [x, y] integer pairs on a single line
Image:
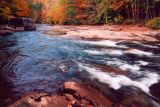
{"points": [[59, 12], [5, 10], [20, 8], [86, 11]]}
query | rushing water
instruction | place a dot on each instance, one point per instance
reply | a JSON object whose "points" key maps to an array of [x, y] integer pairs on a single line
{"points": [[33, 61]]}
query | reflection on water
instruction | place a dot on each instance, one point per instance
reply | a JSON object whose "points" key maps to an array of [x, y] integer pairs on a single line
{"points": [[32, 61]]}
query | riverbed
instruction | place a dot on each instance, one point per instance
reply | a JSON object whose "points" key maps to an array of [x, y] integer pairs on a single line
{"points": [[34, 61]]}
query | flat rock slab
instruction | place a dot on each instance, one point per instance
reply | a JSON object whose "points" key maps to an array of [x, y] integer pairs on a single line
{"points": [[130, 33]]}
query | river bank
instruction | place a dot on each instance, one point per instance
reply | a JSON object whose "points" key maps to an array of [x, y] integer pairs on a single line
{"points": [[109, 32], [7, 30]]}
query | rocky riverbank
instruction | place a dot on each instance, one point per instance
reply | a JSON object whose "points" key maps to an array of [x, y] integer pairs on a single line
{"points": [[112, 32], [72, 94], [7, 30]]}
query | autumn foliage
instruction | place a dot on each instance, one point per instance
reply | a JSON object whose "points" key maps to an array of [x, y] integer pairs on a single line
{"points": [[14, 8], [80, 11]]}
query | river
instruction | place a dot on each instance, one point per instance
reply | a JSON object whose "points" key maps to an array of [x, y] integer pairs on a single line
{"points": [[34, 61]]}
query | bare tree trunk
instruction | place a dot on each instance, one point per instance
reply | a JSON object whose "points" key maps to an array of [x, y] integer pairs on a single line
{"points": [[106, 14], [147, 9]]}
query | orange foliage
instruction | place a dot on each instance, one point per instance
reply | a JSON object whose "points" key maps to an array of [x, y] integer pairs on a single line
{"points": [[22, 8], [5, 10], [64, 11], [59, 14]]}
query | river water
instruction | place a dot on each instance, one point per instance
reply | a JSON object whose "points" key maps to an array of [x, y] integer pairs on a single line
{"points": [[34, 61]]}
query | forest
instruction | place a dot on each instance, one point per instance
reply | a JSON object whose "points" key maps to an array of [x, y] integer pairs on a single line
{"points": [[78, 12]]}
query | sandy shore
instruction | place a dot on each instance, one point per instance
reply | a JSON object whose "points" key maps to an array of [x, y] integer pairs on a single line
{"points": [[112, 32]]}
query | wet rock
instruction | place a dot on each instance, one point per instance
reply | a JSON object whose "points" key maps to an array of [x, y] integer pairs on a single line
{"points": [[5, 32], [110, 69], [157, 36], [81, 92], [55, 32], [103, 88], [6, 27], [155, 90], [71, 99], [41, 100], [134, 97], [74, 95], [127, 96]]}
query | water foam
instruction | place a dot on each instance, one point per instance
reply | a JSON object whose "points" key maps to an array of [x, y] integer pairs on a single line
{"points": [[102, 43], [123, 65], [117, 81], [103, 52], [129, 67], [106, 43], [95, 52], [145, 45], [149, 79], [110, 43], [139, 52], [142, 63]]}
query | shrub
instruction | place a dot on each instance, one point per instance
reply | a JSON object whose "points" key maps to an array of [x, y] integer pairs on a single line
{"points": [[119, 19], [129, 21], [154, 23]]}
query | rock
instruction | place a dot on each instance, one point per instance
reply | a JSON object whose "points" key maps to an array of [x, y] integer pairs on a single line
{"points": [[5, 32], [83, 92], [155, 90], [55, 32], [41, 100], [6, 27], [157, 36], [74, 95], [134, 97], [26, 23], [71, 98], [111, 69]]}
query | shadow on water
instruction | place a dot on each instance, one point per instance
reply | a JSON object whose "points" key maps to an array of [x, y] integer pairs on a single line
{"points": [[7, 70]]}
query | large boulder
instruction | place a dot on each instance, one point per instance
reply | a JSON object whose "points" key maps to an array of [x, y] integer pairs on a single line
{"points": [[27, 23]]}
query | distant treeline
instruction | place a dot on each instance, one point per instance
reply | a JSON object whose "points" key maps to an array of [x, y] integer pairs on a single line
{"points": [[81, 11]]}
